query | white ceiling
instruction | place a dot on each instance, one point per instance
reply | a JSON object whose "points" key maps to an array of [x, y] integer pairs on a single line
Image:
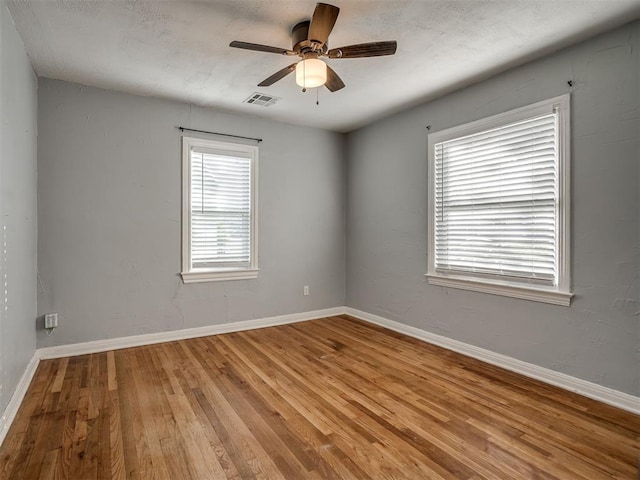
{"points": [[179, 49]]}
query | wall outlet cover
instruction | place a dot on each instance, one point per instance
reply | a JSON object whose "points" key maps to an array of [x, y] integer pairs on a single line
{"points": [[51, 320]]}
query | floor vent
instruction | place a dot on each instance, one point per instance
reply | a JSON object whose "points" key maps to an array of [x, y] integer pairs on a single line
{"points": [[261, 99]]}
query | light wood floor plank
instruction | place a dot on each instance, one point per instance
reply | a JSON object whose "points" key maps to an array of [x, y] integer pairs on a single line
{"points": [[333, 398]]}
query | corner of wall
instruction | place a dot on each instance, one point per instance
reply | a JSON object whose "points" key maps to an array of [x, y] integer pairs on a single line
{"points": [[18, 212]]}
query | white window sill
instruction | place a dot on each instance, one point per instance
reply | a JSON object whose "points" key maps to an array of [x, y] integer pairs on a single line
{"points": [[525, 292], [218, 275]]}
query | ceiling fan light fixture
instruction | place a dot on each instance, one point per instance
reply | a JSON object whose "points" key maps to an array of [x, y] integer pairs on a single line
{"points": [[311, 73]]}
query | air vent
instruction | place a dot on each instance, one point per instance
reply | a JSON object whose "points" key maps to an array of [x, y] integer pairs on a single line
{"points": [[261, 99]]}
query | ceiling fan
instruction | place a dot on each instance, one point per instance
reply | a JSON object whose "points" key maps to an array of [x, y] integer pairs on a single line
{"points": [[310, 43]]}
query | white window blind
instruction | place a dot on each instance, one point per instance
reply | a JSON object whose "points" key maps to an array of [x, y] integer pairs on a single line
{"points": [[219, 213], [220, 209], [496, 202]]}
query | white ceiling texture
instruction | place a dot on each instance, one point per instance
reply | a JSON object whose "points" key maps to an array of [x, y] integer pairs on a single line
{"points": [[180, 49]]}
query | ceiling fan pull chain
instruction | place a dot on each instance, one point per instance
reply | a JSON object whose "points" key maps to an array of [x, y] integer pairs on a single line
{"points": [[318, 96], [304, 75]]}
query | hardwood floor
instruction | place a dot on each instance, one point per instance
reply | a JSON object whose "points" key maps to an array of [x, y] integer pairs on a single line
{"points": [[326, 399]]}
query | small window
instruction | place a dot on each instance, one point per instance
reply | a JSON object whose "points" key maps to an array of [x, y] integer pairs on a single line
{"points": [[219, 211], [499, 204]]}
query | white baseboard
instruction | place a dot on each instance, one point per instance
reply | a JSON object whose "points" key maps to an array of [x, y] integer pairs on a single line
{"points": [[597, 392], [96, 346], [606, 395], [139, 340], [18, 395]]}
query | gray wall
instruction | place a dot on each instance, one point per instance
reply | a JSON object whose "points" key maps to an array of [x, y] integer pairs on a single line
{"points": [[109, 217], [18, 111], [597, 337]]}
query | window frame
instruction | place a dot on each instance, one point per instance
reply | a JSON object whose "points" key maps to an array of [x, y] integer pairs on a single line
{"points": [[559, 294], [197, 275]]}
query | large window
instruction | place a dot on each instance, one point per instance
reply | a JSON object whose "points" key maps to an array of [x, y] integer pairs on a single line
{"points": [[499, 204], [218, 210]]}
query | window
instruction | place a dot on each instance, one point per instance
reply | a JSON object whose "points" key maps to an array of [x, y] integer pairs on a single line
{"points": [[499, 204], [219, 238]]}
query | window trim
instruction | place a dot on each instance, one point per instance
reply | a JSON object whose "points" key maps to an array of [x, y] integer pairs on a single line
{"points": [[558, 295], [198, 275]]}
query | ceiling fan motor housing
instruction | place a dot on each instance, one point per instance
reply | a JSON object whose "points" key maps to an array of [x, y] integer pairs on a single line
{"points": [[301, 42], [299, 35]]}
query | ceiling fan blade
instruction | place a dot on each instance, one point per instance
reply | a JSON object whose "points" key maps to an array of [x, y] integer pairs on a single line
{"points": [[322, 22], [279, 75], [373, 49], [334, 82], [259, 48]]}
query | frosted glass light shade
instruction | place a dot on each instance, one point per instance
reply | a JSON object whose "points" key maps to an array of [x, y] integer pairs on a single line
{"points": [[311, 73]]}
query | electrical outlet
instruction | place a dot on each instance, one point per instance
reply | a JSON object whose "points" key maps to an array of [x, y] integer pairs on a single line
{"points": [[51, 320], [305, 290]]}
